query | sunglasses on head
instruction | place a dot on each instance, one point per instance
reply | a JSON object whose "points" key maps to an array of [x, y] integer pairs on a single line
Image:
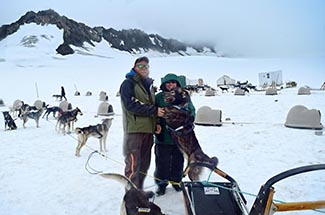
{"points": [[171, 82], [142, 66]]}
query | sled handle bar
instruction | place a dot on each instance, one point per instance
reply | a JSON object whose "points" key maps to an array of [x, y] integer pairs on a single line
{"points": [[212, 168]]}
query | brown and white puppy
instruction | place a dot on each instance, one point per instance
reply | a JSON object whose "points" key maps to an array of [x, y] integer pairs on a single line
{"points": [[180, 126], [99, 131], [135, 201]]}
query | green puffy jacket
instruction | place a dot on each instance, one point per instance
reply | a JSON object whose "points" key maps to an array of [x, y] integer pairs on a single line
{"points": [[164, 137]]}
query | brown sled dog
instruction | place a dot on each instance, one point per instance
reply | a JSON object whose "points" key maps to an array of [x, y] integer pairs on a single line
{"points": [[180, 126], [135, 201], [99, 131]]}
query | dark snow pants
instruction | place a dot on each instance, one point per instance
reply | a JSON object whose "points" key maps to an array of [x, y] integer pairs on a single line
{"points": [[137, 155]]}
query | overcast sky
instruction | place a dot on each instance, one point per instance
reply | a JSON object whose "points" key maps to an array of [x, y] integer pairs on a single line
{"points": [[251, 27]]}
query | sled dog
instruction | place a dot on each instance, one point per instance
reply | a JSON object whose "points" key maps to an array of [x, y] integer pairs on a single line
{"points": [[67, 118], [9, 121], [135, 201], [54, 110], [99, 131], [180, 126], [36, 115]]}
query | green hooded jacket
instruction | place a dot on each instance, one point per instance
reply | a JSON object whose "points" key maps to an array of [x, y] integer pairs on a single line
{"points": [[164, 137]]}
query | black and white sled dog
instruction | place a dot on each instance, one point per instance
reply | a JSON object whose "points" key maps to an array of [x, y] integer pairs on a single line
{"points": [[99, 131], [9, 121], [135, 201], [67, 119], [55, 110], [35, 115]]}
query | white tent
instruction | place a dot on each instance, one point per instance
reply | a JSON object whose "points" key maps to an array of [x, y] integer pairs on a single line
{"points": [[225, 80], [266, 78]]}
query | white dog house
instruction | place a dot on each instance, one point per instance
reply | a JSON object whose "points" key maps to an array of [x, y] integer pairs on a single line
{"points": [[304, 91], [88, 93], [39, 104], [103, 96], [77, 93], [65, 105], [301, 117], [105, 109], [2, 103], [239, 92], [210, 92], [207, 116], [271, 91]]}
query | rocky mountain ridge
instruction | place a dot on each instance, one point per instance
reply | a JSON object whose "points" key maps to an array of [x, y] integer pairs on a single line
{"points": [[133, 41]]}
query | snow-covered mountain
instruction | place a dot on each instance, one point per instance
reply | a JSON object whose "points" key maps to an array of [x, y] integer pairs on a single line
{"points": [[76, 34]]}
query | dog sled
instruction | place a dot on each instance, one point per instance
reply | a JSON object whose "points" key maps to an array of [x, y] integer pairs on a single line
{"points": [[216, 198]]}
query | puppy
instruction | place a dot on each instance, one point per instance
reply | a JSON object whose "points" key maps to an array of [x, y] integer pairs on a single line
{"points": [[135, 201], [99, 131], [9, 121], [180, 126]]}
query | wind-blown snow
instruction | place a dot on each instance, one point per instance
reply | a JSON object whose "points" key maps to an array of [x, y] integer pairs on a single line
{"points": [[39, 173]]}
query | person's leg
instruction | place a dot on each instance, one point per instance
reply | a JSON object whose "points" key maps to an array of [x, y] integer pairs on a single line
{"points": [[162, 171], [177, 167], [145, 157]]}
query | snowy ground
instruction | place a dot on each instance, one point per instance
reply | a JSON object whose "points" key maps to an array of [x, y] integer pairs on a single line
{"points": [[39, 173]]}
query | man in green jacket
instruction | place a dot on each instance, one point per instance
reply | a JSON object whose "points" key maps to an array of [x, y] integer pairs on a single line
{"points": [[139, 120], [169, 159]]}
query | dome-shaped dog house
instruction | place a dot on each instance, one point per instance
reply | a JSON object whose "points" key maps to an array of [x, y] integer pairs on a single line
{"points": [[88, 93], [271, 92], [105, 109], [77, 93], [17, 104], [2, 103], [207, 116], [301, 117], [65, 106], [39, 104], [304, 91], [103, 96], [210, 92], [239, 92]]}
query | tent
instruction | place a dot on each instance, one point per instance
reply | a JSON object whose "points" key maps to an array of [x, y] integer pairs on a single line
{"points": [[207, 116], [225, 80], [105, 109], [266, 78], [304, 91], [301, 117]]}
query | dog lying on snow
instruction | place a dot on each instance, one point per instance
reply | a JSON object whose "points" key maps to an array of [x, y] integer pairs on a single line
{"points": [[135, 201], [98, 131], [180, 126]]}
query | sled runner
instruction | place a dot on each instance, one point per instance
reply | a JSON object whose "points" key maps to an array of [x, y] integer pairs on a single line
{"points": [[216, 198]]}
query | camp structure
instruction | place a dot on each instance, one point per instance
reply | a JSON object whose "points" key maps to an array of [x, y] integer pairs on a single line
{"points": [[304, 91], [88, 93], [225, 80], [239, 92], [103, 96], [105, 109], [65, 106], [208, 116], [39, 104], [271, 91], [301, 117], [2, 103], [210, 92], [267, 78]]}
